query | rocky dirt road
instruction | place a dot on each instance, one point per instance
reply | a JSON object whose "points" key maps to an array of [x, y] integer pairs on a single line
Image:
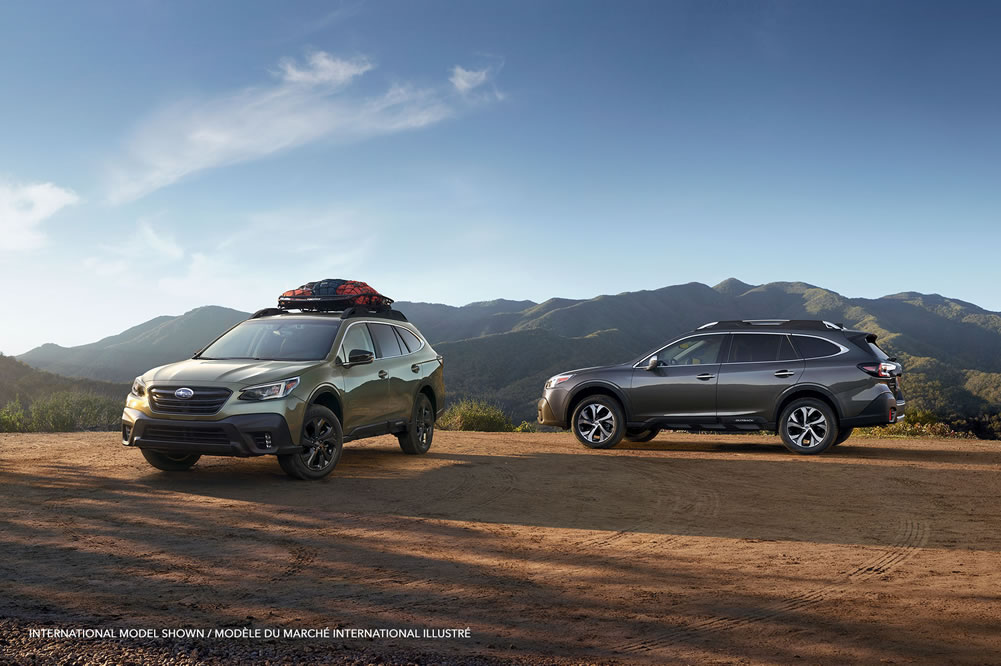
{"points": [[706, 549]]}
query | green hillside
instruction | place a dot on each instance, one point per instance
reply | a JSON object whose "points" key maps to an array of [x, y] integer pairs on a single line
{"points": [[120, 358]]}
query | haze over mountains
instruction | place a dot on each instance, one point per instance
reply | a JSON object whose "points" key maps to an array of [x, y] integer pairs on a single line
{"points": [[504, 350]]}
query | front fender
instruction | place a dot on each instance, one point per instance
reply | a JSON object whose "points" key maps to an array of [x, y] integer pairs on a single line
{"points": [[597, 383]]}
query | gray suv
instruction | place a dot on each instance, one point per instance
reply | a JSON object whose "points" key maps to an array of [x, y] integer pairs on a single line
{"points": [[812, 381]]}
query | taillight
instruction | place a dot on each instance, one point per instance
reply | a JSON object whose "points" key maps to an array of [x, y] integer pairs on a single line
{"points": [[878, 369]]}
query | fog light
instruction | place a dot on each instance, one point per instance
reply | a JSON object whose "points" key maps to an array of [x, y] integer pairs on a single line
{"points": [[267, 439]]}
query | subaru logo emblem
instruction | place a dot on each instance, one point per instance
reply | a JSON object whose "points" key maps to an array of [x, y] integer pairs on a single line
{"points": [[183, 393]]}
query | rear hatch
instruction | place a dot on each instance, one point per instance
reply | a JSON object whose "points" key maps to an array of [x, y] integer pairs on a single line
{"points": [[884, 368]]}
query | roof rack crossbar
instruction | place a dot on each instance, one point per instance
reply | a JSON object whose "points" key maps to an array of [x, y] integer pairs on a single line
{"points": [[814, 324]]}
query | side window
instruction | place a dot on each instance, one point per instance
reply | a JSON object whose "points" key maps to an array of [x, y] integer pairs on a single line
{"points": [[412, 342], [814, 347], [357, 337], [692, 351], [386, 340], [755, 348]]}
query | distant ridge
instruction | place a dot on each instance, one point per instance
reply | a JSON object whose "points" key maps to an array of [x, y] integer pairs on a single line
{"points": [[503, 350]]}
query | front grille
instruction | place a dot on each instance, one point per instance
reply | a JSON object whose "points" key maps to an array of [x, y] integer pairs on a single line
{"points": [[185, 434], [206, 400]]}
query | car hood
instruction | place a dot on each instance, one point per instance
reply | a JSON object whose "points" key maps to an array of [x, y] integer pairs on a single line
{"points": [[226, 372]]}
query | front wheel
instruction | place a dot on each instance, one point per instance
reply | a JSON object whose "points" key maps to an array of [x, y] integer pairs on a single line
{"points": [[420, 432], [642, 435], [598, 422], [322, 442], [170, 462], [808, 426]]}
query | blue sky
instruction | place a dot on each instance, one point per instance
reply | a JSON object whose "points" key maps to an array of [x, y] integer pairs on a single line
{"points": [[158, 156]]}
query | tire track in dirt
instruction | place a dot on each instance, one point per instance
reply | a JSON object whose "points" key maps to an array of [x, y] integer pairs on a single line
{"points": [[912, 537]]}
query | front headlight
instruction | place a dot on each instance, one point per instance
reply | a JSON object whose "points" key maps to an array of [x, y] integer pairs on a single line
{"points": [[138, 388], [269, 391], [557, 379]]}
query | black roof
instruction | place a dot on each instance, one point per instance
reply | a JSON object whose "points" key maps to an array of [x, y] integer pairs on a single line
{"points": [[380, 312]]}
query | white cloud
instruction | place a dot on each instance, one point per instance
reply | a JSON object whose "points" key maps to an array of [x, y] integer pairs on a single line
{"points": [[23, 208], [145, 246], [465, 80], [306, 102], [324, 68]]}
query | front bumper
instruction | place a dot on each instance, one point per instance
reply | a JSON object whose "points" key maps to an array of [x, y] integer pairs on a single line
{"points": [[243, 435], [552, 407]]}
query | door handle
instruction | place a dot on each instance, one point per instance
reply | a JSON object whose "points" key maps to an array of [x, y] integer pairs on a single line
{"points": [[415, 368], [784, 373], [383, 374], [705, 376]]}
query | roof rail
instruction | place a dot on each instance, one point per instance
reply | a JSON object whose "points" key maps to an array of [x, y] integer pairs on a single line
{"points": [[809, 324], [347, 313]]}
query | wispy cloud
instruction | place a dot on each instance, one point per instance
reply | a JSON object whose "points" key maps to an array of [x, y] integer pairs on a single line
{"points": [[23, 209], [154, 247], [305, 101], [465, 80]]}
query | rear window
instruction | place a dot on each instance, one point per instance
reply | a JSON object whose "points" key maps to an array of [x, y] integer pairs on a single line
{"points": [[386, 340], [814, 347], [412, 341], [756, 348], [275, 340]]}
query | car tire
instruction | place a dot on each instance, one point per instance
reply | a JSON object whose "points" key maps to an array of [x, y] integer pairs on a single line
{"points": [[598, 422], [170, 462], [642, 435], [843, 434], [420, 432], [808, 426], [322, 442]]}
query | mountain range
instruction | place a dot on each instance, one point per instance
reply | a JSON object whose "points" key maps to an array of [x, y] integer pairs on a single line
{"points": [[504, 350]]}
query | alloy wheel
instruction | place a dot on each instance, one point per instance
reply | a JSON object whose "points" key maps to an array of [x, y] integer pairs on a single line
{"points": [[425, 426], [807, 427], [596, 423], [320, 443]]}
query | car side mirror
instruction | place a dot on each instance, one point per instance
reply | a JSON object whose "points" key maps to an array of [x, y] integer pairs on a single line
{"points": [[653, 363], [360, 357]]}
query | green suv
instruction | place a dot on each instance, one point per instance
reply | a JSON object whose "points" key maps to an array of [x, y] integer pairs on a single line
{"points": [[295, 385]]}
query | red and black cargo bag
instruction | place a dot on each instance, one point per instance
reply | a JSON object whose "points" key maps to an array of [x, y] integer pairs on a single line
{"points": [[333, 294]]}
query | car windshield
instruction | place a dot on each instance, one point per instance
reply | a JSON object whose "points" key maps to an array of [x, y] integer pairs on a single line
{"points": [[275, 340]]}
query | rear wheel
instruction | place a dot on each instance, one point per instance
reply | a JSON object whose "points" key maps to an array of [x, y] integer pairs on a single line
{"points": [[642, 435], [322, 442], [598, 422], [844, 434], [420, 432], [808, 426], [170, 462]]}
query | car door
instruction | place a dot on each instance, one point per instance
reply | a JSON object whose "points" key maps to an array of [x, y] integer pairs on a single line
{"points": [[759, 367], [681, 389], [401, 379], [365, 391]]}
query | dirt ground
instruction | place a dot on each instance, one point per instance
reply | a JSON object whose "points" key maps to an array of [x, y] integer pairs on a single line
{"points": [[704, 549]]}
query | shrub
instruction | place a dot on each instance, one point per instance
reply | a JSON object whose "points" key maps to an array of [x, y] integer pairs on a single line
{"points": [[914, 429], [475, 415], [526, 427], [13, 418], [67, 411]]}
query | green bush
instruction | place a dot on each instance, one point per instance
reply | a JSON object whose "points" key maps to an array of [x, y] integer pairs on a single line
{"points": [[13, 418], [917, 428], [68, 411], [475, 415], [526, 426]]}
